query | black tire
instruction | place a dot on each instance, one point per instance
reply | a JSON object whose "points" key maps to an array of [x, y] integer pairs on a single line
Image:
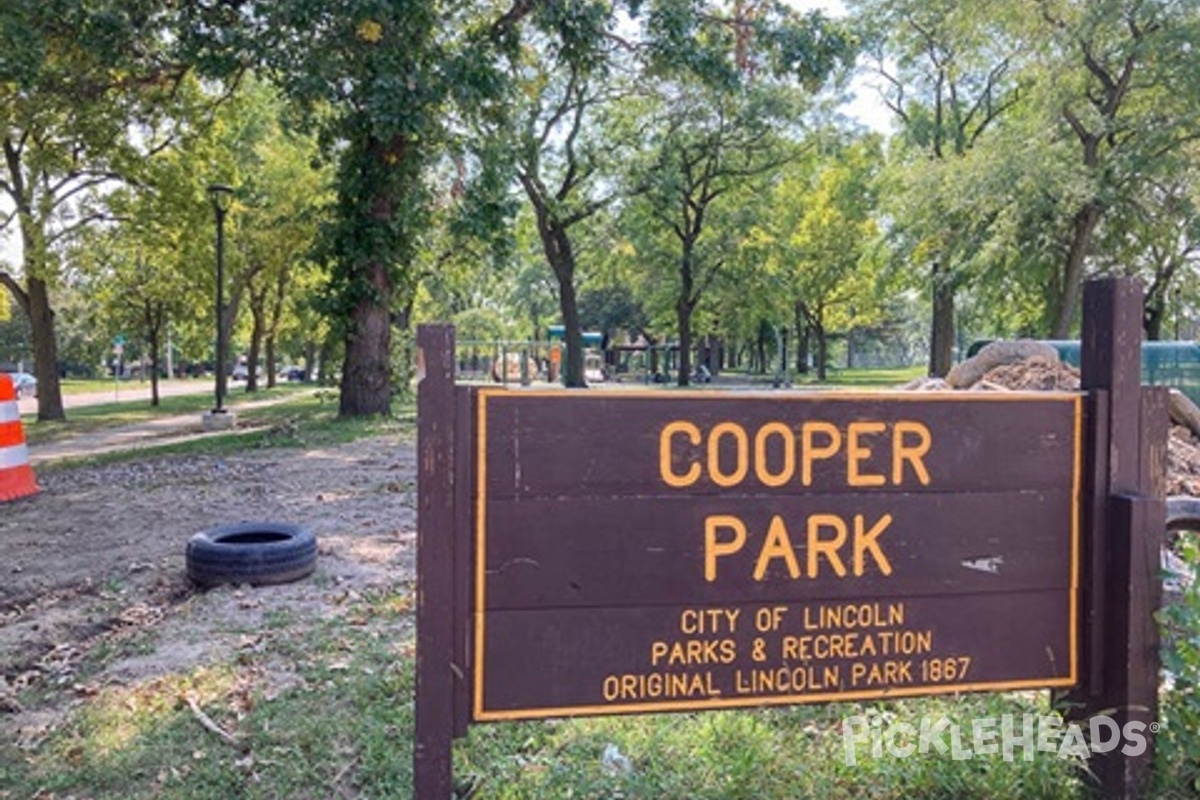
{"points": [[1183, 513], [256, 553]]}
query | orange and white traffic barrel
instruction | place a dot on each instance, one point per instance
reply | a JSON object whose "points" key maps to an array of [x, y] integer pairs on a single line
{"points": [[16, 476]]}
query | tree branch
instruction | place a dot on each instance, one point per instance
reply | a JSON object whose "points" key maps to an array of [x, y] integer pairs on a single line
{"points": [[1098, 70], [587, 210], [69, 230], [511, 18], [1076, 124], [560, 111], [93, 179], [897, 105], [983, 103], [571, 177], [16, 290]]}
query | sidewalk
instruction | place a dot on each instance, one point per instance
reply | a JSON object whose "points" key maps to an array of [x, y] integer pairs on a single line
{"points": [[153, 433]]}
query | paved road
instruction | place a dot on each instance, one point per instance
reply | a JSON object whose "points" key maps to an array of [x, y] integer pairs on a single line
{"points": [[150, 433]]}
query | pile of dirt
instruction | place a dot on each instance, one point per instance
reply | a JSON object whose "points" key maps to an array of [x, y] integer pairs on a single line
{"points": [[1183, 462], [1037, 374]]}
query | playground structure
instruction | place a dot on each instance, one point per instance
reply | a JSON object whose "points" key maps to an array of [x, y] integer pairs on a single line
{"points": [[529, 362], [508, 362]]}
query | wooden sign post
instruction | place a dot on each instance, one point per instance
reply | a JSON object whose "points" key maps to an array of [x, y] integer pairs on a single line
{"points": [[622, 552], [1125, 519]]}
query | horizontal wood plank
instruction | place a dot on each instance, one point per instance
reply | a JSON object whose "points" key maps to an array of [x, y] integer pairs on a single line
{"points": [[600, 661], [609, 444], [631, 551]]}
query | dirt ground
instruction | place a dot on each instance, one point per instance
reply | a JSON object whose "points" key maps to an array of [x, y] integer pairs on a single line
{"points": [[98, 556]]}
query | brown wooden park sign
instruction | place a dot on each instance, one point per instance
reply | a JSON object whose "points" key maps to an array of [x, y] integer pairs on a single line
{"points": [[613, 552]]}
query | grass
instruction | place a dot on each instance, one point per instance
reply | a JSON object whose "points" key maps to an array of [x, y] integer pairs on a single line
{"points": [[73, 386], [295, 417], [302, 417], [97, 385], [750, 755], [872, 378], [335, 716], [91, 418]]}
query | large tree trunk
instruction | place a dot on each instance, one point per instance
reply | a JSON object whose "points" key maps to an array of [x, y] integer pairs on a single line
{"points": [[390, 171], [941, 335], [803, 338], [683, 313], [572, 331], [685, 304], [45, 352], [556, 243], [153, 321], [366, 387], [1064, 307]]}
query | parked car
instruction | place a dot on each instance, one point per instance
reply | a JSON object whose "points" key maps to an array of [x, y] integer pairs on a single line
{"points": [[293, 374], [24, 383]]}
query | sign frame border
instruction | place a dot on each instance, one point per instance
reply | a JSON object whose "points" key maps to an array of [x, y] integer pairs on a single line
{"points": [[479, 552]]}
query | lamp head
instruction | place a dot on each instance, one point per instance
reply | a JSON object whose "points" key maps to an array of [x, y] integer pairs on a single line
{"points": [[221, 196]]}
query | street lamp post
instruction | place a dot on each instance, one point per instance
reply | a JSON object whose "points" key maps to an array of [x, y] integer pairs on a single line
{"points": [[222, 197]]}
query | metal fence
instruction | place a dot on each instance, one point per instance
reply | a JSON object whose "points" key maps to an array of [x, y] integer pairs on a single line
{"points": [[1174, 364]]}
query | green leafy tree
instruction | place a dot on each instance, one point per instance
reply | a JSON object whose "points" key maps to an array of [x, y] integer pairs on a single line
{"points": [[87, 92], [377, 81], [716, 107], [468, 256], [1117, 81], [949, 72], [564, 83], [16, 340], [712, 151], [1158, 240], [612, 309], [282, 199], [152, 268], [817, 244]]}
